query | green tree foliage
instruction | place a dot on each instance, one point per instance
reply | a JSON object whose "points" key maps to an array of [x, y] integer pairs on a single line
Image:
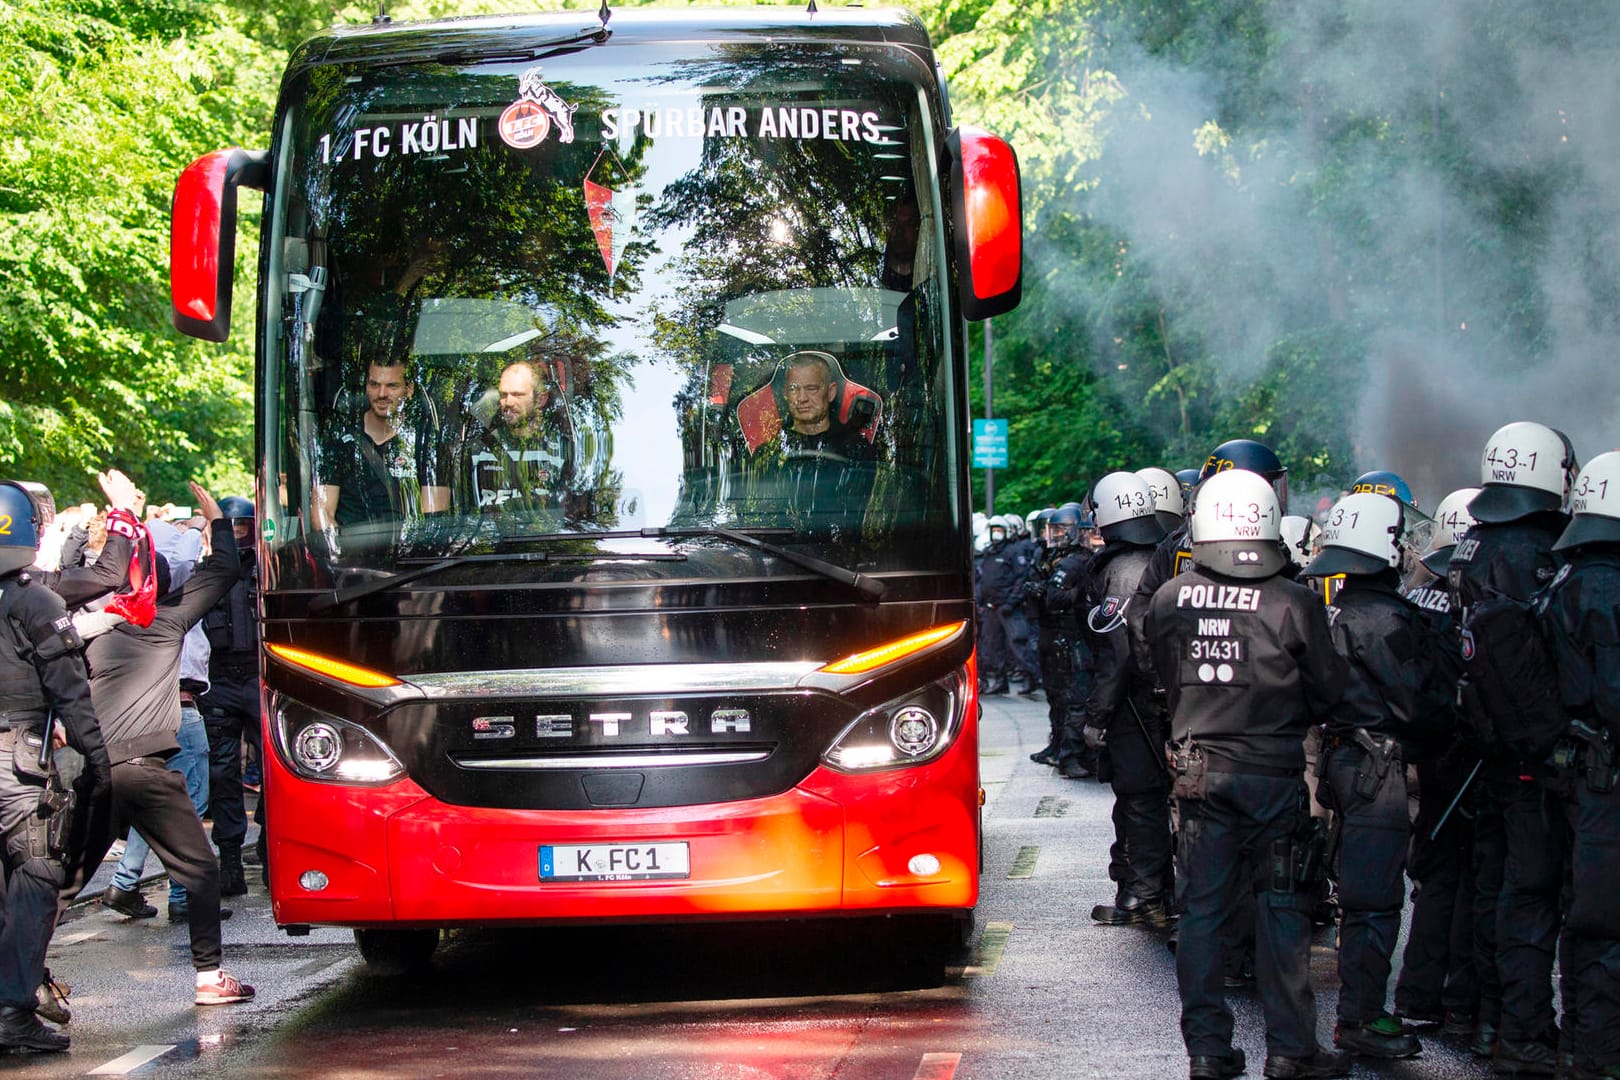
{"points": [[1243, 217], [101, 106]]}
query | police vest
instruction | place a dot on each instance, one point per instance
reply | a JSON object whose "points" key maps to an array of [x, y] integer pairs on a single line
{"points": [[232, 626]]}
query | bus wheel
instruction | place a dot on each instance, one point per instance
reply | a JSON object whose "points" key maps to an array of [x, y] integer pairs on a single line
{"points": [[396, 952]]}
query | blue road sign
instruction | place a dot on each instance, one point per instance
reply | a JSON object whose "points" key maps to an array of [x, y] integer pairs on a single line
{"points": [[990, 444]]}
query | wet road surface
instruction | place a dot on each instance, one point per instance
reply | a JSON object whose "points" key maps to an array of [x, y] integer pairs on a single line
{"points": [[1040, 991]]}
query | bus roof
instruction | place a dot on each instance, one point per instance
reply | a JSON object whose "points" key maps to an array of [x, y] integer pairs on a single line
{"points": [[522, 37]]}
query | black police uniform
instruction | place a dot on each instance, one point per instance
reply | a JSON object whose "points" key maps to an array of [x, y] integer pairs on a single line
{"points": [[1391, 690], [230, 710], [1437, 981], [1172, 557], [1121, 705], [1521, 846], [1022, 642], [1582, 614], [1054, 634], [42, 674], [1069, 678], [1248, 665], [1000, 589]]}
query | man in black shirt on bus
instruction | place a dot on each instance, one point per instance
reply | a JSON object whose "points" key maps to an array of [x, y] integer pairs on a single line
{"points": [[379, 472]]}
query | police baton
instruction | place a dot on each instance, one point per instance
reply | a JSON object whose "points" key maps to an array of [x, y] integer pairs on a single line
{"points": [[1157, 751], [1434, 833], [45, 734]]}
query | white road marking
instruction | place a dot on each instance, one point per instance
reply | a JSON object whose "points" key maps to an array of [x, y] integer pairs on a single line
{"points": [[75, 937], [937, 1067], [128, 1063]]}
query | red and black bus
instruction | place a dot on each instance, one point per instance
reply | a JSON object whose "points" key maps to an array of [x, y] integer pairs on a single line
{"points": [[613, 487]]}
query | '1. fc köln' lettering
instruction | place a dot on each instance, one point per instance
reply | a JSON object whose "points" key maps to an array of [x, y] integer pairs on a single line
{"points": [[1218, 597]]}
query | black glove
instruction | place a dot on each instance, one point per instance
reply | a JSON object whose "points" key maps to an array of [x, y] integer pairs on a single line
{"points": [[99, 769]]}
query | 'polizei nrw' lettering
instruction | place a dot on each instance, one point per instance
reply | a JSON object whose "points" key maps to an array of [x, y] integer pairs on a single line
{"points": [[1218, 597]]}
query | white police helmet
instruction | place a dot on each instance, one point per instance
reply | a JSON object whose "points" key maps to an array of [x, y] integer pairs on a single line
{"points": [[1122, 504], [1527, 468], [1166, 496], [1235, 523], [1298, 534], [1361, 535], [1451, 521], [1595, 501]]}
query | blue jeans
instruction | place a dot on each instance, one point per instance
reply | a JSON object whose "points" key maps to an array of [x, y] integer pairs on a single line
{"points": [[192, 763]]}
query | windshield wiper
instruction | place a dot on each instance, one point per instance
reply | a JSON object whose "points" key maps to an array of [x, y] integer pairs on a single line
{"points": [[456, 54], [327, 601], [869, 587]]}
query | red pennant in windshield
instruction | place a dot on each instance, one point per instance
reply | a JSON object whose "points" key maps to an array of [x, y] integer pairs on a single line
{"points": [[599, 201]]}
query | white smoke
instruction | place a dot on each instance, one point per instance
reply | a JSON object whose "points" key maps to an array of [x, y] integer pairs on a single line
{"points": [[1294, 223]]}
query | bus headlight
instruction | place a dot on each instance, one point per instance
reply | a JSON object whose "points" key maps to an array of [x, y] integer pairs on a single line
{"points": [[912, 730], [317, 746]]}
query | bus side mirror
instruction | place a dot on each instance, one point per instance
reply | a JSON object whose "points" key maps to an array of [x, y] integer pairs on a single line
{"points": [[987, 212], [202, 239]]}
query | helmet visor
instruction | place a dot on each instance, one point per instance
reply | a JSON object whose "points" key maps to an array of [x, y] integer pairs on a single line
{"points": [[1498, 503], [1338, 560], [1589, 529], [1142, 531]]}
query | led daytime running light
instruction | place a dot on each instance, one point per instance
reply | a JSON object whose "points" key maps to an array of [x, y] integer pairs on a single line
{"points": [[894, 650], [333, 669]]}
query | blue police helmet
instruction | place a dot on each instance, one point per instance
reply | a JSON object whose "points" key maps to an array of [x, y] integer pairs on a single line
{"points": [[236, 508], [19, 528], [1384, 482]]}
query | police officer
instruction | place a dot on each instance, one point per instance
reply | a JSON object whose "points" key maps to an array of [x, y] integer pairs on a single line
{"points": [[1582, 615], [1173, 556], [1437, 984], [999, 586], [42, 675], [1119, 715], [1068, 672], [1246, 658], [1391, 690], [1053, 586], [1021, 637], [230, 708], [1520, 849]]}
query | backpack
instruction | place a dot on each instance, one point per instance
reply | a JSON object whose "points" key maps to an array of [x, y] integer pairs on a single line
{"points": [[1509, 687]]}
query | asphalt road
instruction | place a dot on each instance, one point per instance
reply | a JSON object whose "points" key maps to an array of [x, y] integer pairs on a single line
{"points": [[1041, 993]]}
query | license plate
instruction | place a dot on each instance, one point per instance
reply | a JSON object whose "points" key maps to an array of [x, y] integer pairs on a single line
{"points": [[614, 862]]}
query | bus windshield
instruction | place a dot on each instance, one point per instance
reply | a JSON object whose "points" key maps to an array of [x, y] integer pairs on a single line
{"points": [[510, 304]]}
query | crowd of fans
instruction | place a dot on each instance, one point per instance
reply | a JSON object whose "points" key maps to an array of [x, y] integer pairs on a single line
{"points": [[126, 638]]}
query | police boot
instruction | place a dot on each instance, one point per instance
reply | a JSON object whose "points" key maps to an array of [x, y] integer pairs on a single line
{"points": [[1045, 756], [1533, 1058], [1382, 1038], [1216, 1066], [1484, 1042], [1323, 1063], [1128, 909], [52, 1000], [20, 1030], [231, 879], [996, 686], [1073, 769]]}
